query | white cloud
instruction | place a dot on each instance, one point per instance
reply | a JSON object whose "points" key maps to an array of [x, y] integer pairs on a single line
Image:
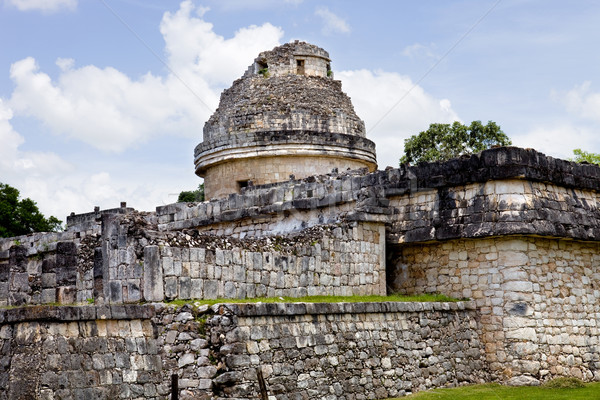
{"points": [[374, 93], [196, 52], [419, 50], [565, 134], [583, 102], [27, 171], [43, 5], [236, 5], [111, 111], [60, 187], [15, 161], [558, 140], [331, 22]]}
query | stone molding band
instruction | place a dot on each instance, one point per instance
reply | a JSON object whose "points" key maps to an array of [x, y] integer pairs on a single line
{"points": [[52, 313], [290, 145]]}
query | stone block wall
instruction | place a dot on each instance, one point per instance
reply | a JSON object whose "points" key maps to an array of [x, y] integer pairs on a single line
{"points": [[284, 105], [81, 353], [48, 271], [282, 60], [346, 260], [285, 207], [493, 208], [539, 298], [310, 351]]}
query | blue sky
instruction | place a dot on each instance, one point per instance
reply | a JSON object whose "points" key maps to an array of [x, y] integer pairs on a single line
{"points": [[103, 101]]}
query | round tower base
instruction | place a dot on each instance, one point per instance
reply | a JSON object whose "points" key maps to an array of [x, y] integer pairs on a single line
{"points": [[231, 176]]}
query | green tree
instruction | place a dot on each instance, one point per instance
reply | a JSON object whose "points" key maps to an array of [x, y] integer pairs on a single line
{"points": [[444, 141], [191, 196], [584, 156], [21, 217]]}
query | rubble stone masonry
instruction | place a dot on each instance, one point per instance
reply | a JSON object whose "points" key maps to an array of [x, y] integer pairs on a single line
{"points": [[303, 350]]}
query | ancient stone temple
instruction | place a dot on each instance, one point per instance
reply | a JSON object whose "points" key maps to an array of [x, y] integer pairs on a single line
{"points": [[512, 234], [285, 116]]}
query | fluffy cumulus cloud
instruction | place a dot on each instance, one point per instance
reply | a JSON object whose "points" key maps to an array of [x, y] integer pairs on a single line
{"points": [[29, 171], [551, 139], [331, 22], [43, 5], [196, 53], [111, 111], [393, 109], [60, 187], [558, 137], [582, 101], [14, 161]]}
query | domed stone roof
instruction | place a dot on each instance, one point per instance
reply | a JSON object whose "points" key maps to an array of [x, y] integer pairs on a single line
{"points": [[287, 104]]}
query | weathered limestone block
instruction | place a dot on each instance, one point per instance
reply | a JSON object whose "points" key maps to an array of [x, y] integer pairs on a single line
{"points": [[153, 289]]}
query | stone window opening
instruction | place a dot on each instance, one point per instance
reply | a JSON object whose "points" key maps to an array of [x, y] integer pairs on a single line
{"points": [[300, 67], [262, 67], [243, 184]]}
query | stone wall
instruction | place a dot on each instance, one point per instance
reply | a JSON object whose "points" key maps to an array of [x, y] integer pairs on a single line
{"points": [[47, 271], [348, 351], [275, 208], [224, 179], [282, 60], [337, 261], [81, 353], [495, 208], [510, 228], [348, 259], [284, 104], [539, 298], [310, 351]]}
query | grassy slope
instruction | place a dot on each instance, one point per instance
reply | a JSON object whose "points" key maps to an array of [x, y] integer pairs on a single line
{"points": [[325, 299], [494, 391]]}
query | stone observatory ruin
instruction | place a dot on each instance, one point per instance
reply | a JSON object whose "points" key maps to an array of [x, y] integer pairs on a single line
{"points": [[285, 116], [109, 307]]}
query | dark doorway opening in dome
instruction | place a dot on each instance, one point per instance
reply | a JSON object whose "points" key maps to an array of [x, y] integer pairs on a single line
{"points": [[300, 67]]}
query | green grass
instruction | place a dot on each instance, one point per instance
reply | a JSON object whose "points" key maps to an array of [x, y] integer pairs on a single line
{"points": [[325, 299], [494, 391], [307, 299]]}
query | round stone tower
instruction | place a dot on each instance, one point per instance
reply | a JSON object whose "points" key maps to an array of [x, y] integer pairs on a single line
{"points": [[285, 116]]}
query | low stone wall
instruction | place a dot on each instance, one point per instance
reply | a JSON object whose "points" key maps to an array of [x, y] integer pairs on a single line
{"points": [[539, 298], [130, 262], [347, 351], [348, 259], [309, 351], [48, 271], [84, 352]]}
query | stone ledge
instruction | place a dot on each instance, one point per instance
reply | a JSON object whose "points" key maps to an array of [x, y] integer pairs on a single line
{"points": [[285, 144], [147, 311], [266, 309], [76, 313], [503, 163]]}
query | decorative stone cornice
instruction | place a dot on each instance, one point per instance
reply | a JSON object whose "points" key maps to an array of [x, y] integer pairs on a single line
{"points": [[273, 144]]}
